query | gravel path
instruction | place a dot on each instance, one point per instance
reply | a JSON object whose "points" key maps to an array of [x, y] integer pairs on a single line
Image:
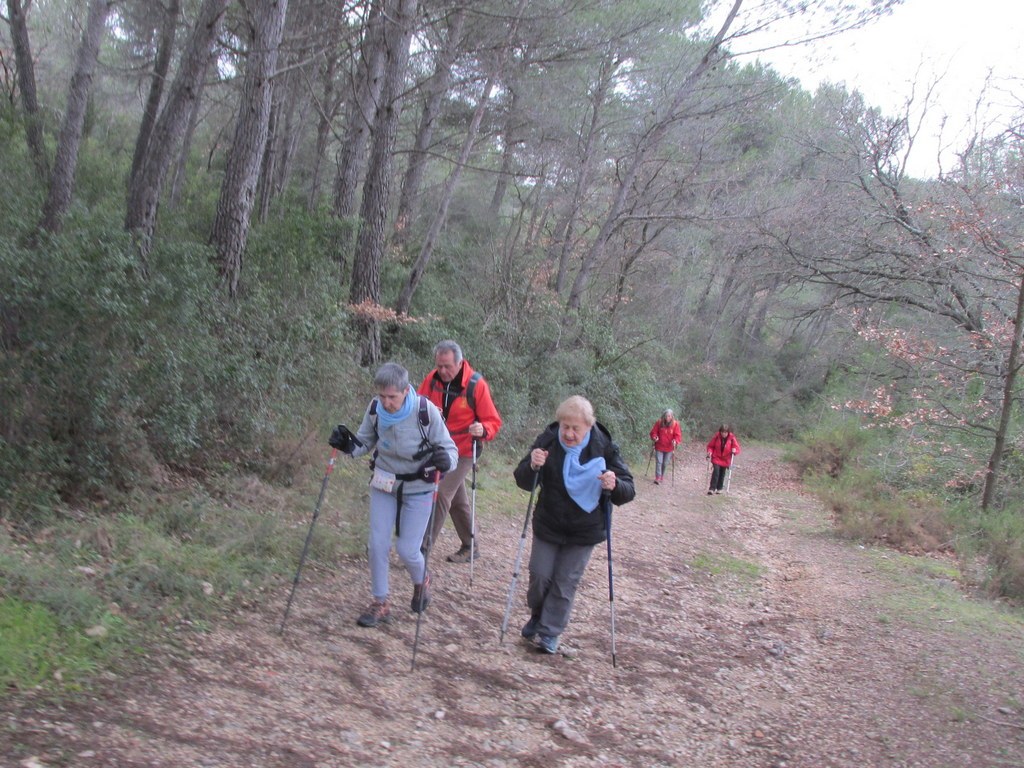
{"points": [[746, 635]]}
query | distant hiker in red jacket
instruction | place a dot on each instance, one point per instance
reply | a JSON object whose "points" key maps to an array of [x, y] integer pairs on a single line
{"points": [[666, 435], [721, 448]]}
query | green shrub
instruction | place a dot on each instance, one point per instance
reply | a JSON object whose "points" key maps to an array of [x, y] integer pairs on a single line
{"points": [[1003, 541], [828, 448]]}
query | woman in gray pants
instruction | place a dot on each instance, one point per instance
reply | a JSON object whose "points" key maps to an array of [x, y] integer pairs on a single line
{"points": [[410, 443], [580, 473]]}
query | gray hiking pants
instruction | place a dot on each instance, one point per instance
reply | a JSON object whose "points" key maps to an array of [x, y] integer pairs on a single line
{"points": [[555, 572], [415, 513], [661, 462]]}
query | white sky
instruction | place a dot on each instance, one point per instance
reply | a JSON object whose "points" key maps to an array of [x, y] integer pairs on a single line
{"points": [[959, 41]]}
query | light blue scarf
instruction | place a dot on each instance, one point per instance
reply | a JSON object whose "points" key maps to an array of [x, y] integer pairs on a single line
{"points": [[386, 419], [581, 480]]}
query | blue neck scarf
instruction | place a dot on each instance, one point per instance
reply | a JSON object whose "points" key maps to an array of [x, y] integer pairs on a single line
{"points": [[405, 411], [581, 480]]}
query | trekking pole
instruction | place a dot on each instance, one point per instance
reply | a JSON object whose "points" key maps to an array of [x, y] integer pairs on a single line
{"points": [[472, 519], [611, 582], [519, 558], [426, 556], [309, 536], [728, 473], [673, 466], [648, 469]]}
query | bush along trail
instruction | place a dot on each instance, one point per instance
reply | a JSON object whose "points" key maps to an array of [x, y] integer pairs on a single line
{"points": [[746, 635]]}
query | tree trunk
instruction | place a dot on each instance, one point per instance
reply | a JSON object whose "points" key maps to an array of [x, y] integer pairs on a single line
{"points": [[17, 18], [161, 66], [268, 164], [441, 217], [362, 112], [567, 227], [144, 190], [1013, 364], [327, 109], [398, 28], [511, 143], [436, 88], [181, 166], [648, 144], [237, 195], [65, 163]]}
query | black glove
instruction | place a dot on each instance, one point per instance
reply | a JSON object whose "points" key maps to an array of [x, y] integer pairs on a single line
{"points": [[439, 459], [343, 439]]}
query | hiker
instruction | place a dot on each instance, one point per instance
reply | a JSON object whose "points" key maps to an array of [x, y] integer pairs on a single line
{"points": [[721, 449], [666, 435], [410, 443], [464, 398], [580, 473]]}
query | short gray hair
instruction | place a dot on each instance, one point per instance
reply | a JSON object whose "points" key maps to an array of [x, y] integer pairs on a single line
{"points": [[391, 375], [449, 346]]}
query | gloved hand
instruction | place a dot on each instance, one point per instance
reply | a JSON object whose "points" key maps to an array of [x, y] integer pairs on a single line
{"points": [[343, 439], [439, 459]]}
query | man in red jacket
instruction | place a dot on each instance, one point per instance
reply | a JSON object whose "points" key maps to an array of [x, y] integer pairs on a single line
{"points": [[464, 398]]}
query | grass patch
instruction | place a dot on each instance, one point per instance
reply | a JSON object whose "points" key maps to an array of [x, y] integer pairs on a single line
{"points": [[726, 565], [38, 649], [82, 594], [927, 595]]}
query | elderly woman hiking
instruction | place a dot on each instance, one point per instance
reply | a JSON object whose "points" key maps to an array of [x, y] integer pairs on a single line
{"points": [[410, 445], [721, 448], [579, 471], [666, 435]]}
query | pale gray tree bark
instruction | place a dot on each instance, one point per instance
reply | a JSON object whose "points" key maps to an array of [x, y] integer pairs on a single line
{"points": [[400, 16], [65, 162], [161, 66], [584, 175], [327, 108], [181, 164], [17, 15], [435, 90], [363, 109], [651, 140], [237, 195], [146, 186], [441, 216]]}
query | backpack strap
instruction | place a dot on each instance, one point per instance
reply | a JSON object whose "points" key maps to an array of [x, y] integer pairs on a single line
{"points": [[471, 389]]}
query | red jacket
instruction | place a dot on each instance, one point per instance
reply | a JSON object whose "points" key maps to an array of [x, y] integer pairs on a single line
{"points": [[451, 399], [666, 436], [722, 450]]}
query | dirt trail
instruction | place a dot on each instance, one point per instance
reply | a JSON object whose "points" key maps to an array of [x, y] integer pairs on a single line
{"points": [[745, 635]]}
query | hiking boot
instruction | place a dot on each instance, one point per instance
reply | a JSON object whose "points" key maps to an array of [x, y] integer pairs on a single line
{"points": [[420, 595], [547, 644], [530, 628], [711, 493], [657, 480], [462, 556], [378, 612]]}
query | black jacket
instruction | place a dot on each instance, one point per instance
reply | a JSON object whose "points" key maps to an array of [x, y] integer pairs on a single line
{"points": [[557, 518]]}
